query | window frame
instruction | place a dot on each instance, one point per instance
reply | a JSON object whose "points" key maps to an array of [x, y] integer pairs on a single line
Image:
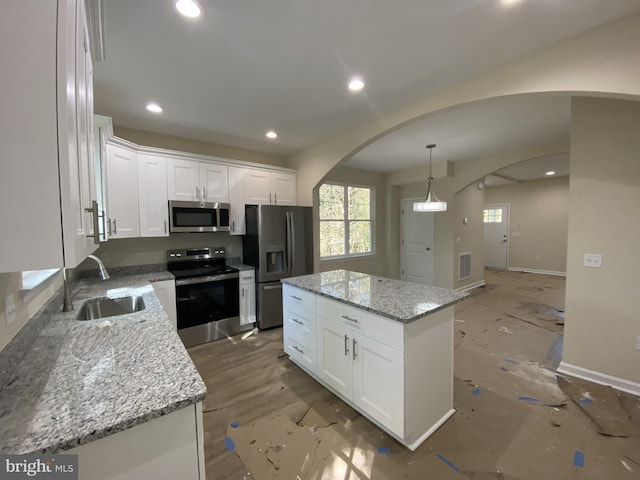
{"points": [[346, 220]]}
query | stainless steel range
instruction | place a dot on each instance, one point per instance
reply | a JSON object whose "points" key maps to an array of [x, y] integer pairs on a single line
{"points": [[207, 295]]}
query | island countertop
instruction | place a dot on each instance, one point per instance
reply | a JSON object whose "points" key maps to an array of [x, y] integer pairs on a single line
{"points": [[78, 381], [393, 299]]}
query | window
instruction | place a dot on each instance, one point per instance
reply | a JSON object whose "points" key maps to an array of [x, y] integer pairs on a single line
{"points": [[346, 220], [492, 215]]}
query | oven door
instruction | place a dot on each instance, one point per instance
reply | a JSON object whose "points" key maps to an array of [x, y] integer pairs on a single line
{"points": [[203, 300]]}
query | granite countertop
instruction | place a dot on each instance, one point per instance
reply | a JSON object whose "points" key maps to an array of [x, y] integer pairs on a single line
{"points": [[394, 299], [79, 381]]}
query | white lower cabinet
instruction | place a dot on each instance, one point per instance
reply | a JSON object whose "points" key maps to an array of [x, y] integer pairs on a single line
{"points": [[247, 297], [364, 370], [399, 375], [170, 446]]}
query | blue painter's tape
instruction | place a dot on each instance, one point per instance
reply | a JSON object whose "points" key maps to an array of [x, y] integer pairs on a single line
{"points": [[528, 399], [585, 401], [384, 450], [504, 369], [509, 360], [235, 424], [578, 459], [476, 391], [441, 457], [229, 443]]}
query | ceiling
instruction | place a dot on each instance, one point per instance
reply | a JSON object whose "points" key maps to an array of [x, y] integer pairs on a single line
{"points": [[247, 67]]}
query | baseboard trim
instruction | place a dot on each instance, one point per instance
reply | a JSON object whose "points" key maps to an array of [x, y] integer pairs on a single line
{"points": [[477, 284], [541, 272], [601, 378]]}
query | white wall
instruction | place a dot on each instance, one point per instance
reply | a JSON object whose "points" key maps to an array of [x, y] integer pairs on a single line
{"points": [[539, 211], [602, 306]]}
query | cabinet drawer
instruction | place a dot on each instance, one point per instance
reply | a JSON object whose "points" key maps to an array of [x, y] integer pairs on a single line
{"points": [[247, 276], [299, 301], [300, 326], [385, 331], [300, 351]]}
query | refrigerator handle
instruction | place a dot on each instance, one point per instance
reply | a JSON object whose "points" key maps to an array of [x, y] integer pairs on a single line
{"points": [[287, 216], [293, 241]]}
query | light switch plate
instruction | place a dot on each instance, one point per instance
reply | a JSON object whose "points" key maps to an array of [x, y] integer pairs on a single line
{"points": [[593, 260]]}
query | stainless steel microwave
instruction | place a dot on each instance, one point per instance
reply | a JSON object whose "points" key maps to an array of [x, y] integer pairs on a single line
{"points": [[194, 217]]}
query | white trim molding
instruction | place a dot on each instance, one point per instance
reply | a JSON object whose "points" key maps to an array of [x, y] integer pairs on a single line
{"points": [[465, 288], [540, 272], [600, 378]]}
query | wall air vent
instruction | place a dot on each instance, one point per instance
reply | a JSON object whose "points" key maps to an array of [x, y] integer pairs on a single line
{"points": [[464, 265]]}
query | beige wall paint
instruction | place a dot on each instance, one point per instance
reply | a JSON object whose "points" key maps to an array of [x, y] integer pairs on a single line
{"points": [[602, 308], [376, 264], [581, 64], [143, 251], [158, 140], [539, 211], [26, 303], [469, 237]]}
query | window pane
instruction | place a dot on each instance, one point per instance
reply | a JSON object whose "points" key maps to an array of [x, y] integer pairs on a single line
{"points": [[331, 202], [359, 237], [359, 199], [331, 238]]}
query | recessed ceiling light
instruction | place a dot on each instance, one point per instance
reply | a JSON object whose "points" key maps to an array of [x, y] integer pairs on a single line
{"points": [[271, 134], [356, 84], [189, 8], [550, 172], [154, 108], [510, 2]]}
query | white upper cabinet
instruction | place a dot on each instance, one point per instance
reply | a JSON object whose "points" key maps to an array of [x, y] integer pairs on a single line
{"points": [[152, 195], [45, 130], [237, 225], [122, 192], [194, 181], [269, 187]]}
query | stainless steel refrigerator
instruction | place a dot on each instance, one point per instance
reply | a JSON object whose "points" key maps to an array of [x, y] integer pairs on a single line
{"points": [[279, 244]]}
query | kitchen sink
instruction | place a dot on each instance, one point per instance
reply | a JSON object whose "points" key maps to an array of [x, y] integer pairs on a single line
{"points": [[110, 307]]}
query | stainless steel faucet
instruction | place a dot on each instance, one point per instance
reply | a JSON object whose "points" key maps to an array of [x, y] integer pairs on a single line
{"points": [[68, 302]]}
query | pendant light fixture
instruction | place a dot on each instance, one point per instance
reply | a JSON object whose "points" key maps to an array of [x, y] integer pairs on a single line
{"points": [[431, 203]]}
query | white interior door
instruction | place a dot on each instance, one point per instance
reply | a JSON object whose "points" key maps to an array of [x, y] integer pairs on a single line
{"points": [[496, 235], [416, 244]]}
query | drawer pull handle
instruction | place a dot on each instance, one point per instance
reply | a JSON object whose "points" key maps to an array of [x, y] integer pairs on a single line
{"points": [[247, 278], [297, 321], [354, 349], [298, 350], [346, 346], [296, 298], [347, 317]]}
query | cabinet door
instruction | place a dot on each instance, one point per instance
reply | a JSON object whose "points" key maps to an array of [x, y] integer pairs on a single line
{"points": [[214, 182], [334, 355], [247, 303], [183, 180], [257, 186], [122, 192], [283, 187], [237, 225], [378, 381], [152, 194]]}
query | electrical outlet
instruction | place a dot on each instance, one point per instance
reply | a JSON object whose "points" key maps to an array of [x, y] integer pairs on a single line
{"points": [[9, 310], [593, 260]]}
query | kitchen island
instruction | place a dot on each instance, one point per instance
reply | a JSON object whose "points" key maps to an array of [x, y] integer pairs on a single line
{"points": [[121, 392], [383, 346]]}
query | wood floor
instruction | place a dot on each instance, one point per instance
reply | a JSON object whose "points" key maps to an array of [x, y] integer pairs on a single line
{"points": [[506, 348]]}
